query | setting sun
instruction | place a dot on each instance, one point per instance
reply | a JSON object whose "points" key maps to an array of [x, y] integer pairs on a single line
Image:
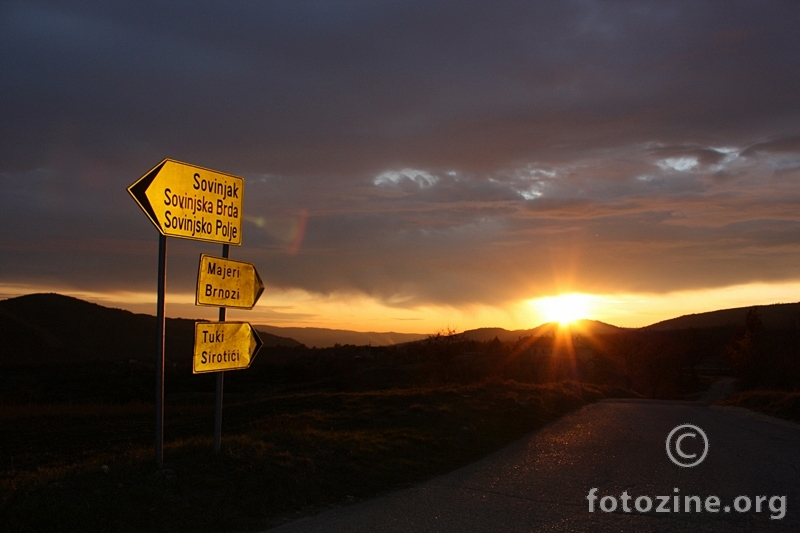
{"points": [[564, 308]]}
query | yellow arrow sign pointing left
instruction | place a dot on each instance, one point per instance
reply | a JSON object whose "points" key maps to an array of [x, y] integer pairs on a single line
{"points": [[192, 202], [220, 346]]}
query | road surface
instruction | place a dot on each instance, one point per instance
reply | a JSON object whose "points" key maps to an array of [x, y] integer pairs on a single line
{"points": [[541, 482]]}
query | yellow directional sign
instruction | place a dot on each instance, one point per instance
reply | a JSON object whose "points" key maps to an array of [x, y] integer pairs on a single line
{"points": [[227, 283], [192, 202], [222, 346]]}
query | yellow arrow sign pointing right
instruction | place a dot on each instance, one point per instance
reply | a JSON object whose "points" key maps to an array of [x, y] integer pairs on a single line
{"points": [[220, 346], [227, 283]]}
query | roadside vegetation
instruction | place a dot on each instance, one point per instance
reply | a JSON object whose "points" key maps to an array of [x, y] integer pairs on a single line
{"points": [[781, 404], [90, 467], [767, 363]]}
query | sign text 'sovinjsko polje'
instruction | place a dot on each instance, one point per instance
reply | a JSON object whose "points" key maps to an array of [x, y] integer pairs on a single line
{"points": [[211, 207]]}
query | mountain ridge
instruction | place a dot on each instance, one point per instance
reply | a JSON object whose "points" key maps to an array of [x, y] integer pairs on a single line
{"points": [[773, 316], [325, 337], [581, 327], [52, 327]]}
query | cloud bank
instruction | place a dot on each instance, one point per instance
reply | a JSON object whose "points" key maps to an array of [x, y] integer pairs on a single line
{"points": [[419, 153]]}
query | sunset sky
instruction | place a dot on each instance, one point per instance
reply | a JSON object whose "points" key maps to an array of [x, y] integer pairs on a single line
{"points": [[412, 165]]}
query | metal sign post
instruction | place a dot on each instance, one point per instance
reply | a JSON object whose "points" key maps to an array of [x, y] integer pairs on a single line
{"points": [[161, 323], [221, 346], [220, 379]]}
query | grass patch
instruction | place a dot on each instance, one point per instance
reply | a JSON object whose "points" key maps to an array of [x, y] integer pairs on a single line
{"points": [[780, 404], [86, 468]]}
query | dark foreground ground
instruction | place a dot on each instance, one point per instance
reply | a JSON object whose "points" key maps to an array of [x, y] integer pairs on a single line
{"points": [[541, 482], [90, 467]]}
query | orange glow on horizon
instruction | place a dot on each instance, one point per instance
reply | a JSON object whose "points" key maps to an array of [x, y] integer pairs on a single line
{"points": [[358, 312]]}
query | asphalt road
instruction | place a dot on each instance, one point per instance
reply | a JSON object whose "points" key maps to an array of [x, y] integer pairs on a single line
{"points": [[541, 482]]}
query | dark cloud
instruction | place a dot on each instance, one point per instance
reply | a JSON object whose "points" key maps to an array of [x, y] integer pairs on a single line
{"points": [[435, 151], [790, 145]]}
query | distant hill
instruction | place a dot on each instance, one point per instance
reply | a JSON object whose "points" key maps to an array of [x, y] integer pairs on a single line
{"points": [[51, 327], [774, 316], [580, 327], [325, 338]]}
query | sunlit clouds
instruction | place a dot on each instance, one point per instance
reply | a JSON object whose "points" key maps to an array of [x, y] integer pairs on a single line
{"points": [[681, 164], [470, 246], [397, 177]]}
